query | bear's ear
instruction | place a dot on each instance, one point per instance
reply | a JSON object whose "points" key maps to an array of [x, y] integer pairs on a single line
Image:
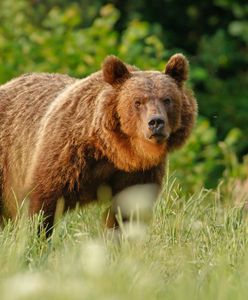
{"points": [[178, 68], [114, 70]]}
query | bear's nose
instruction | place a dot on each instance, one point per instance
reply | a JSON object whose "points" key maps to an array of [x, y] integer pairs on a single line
{"points": [[156, 123]]}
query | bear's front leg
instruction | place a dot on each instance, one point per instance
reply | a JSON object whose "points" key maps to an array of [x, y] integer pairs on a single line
{"points": [[131, 186]]}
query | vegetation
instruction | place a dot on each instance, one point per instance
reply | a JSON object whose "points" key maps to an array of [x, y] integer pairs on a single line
{"points": [[196, 243], [194, 246]]}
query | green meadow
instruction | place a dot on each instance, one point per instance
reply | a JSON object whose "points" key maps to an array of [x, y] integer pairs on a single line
{"points": [[194, 247]]}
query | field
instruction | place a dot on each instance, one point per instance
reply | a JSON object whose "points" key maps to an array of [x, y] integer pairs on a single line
{"points": [[195, 247]]}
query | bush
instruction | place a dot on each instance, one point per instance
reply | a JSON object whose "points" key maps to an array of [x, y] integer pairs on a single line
{"points": [[204, 161], [60, 43]]}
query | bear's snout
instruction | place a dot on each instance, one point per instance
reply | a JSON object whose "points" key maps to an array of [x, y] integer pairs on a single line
{"points": [[156, 125]]}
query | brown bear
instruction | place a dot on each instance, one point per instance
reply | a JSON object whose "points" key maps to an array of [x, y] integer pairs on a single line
{"points": [[63, 137]]}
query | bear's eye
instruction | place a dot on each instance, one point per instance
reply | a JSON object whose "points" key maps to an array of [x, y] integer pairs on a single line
{"points": [[167, 101], [137, 104]]}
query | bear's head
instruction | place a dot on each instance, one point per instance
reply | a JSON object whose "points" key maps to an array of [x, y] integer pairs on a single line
{"points": [[151, 108]]}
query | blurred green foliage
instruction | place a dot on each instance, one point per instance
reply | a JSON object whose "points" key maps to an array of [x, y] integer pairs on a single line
{"points": [[204, 159], [74, 37], [61, 43]]}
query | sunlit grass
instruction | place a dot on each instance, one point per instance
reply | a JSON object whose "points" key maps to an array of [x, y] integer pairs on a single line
{"points": [[195, 247]]}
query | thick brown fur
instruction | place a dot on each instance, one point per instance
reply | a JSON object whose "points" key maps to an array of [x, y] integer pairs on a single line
{"points": [[62, 137]]}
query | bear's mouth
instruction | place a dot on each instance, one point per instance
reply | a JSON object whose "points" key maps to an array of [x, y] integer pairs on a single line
{"points": [[158, 138]]}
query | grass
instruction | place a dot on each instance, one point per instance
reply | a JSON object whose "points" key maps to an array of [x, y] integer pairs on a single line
{"points": [[195, 247]]}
